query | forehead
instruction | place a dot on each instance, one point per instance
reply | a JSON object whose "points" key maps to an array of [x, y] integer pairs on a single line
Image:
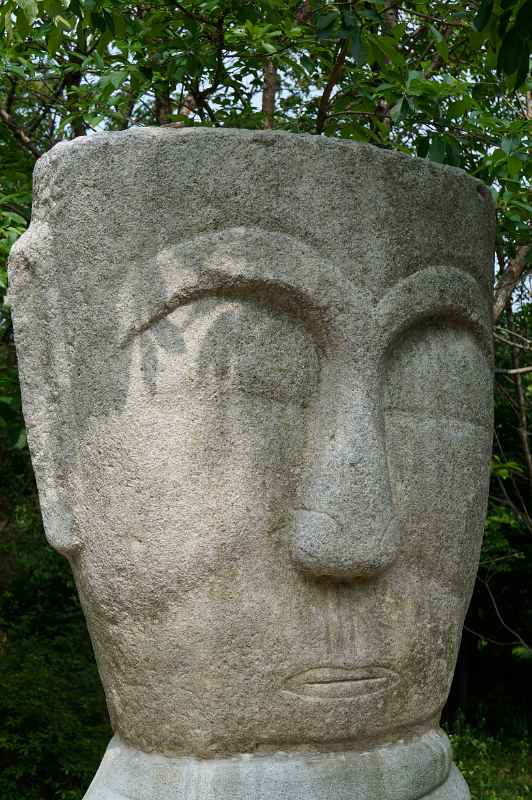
{"points": [[115, 202]]}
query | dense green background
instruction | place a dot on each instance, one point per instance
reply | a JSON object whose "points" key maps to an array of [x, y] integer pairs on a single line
{"points": [[447, 81]]}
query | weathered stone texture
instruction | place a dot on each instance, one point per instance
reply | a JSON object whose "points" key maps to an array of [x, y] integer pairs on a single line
{"points": [[256, 373]]}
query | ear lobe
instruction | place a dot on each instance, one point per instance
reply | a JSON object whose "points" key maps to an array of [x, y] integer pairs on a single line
{"points": [[44, 405], [58, 520]]}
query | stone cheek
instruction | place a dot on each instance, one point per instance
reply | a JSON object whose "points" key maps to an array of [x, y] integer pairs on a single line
{"points": [[267, 428]]}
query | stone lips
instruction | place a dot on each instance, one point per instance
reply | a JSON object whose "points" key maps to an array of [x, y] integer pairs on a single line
{"points": [[216, 331], [337, 682]]}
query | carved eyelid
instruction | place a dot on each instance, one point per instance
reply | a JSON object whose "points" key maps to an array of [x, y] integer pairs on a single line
{"points": [[431, 294]]}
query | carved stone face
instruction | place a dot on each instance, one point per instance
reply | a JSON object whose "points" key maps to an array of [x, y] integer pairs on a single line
{"points": [[277, 465]]}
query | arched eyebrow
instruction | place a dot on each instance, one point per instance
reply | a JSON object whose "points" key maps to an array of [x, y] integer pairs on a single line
{"points": [[246, 261], [272, 294], [436, 293]]}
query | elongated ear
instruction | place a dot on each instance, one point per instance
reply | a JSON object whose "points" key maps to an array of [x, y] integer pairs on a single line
{"points": [[39, 349]]}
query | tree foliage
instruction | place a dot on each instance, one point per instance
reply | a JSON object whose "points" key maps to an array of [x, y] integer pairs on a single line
{"points": [[447, 81]]}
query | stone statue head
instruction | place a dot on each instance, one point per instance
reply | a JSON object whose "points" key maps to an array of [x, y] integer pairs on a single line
{"points": [[256, 373]]}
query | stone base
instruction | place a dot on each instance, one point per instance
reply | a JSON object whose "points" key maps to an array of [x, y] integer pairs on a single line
{"points": [[421, 769]]}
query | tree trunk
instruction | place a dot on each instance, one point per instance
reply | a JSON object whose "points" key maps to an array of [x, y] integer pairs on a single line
{"points": [[163, 104], [522, 407], [269, 92]]}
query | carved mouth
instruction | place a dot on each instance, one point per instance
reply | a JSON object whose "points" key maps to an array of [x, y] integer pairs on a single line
{"points": [[328, 683]]}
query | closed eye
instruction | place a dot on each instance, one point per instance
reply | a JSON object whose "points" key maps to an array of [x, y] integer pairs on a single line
{"points": [[438, 370], [237, 345]]}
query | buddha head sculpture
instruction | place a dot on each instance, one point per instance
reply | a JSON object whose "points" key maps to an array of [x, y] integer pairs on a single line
{"points": [[256, 373]]}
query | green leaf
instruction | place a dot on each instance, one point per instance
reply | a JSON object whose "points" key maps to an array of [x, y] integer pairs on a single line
{"points": [[53, 39], [400, 110], [21, 441], [452, 151], [484, 14], [94, 119], [30, 9], [104, 42], [308, 64], [389, 48], [62, 21], [503, 22], [514, 166], [522, 653], [350, 22], [523, 20], [524, 206], [508, 144], [116, 77], [484, 89], [369, 13], [326, 21], [522, 71], [436, 151], [422, 146], [436, 35], [8, 23], [513, 52], [8, 400], [442, 49], [503, 469], [414, 75], [15, 69], [359, 51], [119, 22]]}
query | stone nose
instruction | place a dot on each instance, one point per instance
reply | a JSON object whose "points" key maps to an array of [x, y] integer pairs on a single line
{"points": [[346, 526], [323, 547]]}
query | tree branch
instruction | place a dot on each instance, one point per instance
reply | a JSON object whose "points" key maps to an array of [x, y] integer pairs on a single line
{"points": [[522, 513], [269, 91], [390, 16], [219, 69], [508, 280], [433, 19], [521, 400], [510, 343], [304, 12], [192, 14], [500, 617], [163, 103], [510, 332], [19, 133], [34, 123], [515, 370], [487, 638], [323, 108], [11, 93], [438, 61]]}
